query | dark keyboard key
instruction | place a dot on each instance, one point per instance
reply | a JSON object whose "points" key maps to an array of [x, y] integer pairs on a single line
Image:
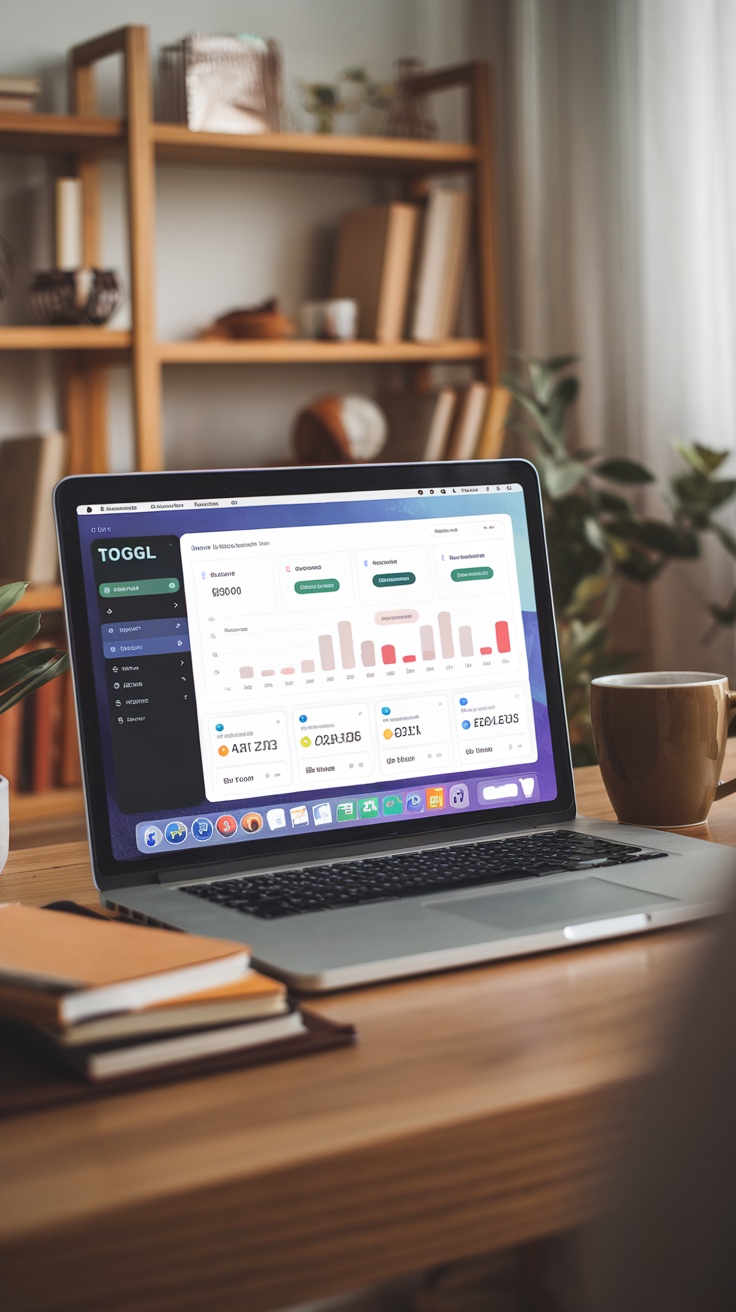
{"points": [[418, 874]]}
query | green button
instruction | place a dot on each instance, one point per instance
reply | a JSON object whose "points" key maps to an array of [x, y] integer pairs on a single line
{"points": [[138, 587], [393, 805], [346, 811], [368, 808], [393, 580], [317, 585], [470, 575]]}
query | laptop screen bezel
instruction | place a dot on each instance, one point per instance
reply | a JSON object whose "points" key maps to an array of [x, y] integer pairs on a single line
{"points": [[109, 871]]}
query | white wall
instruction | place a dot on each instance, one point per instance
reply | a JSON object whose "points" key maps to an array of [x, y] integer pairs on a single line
{"points": [[225, 237]]}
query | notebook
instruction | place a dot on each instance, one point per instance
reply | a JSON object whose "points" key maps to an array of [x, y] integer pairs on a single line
{"points": [[321, 713]]}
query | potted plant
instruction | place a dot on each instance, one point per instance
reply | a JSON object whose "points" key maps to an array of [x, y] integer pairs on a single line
{"points": [[20, 674], [598, 532]]}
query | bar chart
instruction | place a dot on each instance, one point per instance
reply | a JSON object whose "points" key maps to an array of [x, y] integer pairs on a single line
{"points": [[445, 639]]}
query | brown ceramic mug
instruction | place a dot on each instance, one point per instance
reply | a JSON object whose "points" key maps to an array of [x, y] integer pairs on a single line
{"points": [[661, 738]]}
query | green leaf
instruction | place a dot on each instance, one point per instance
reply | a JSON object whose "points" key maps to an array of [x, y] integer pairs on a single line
{"points": [[620, 470], [565, 394], [726, 538], [562, 478], [595, 536], [18, 629], [10, 593], [54, 666], [723, 614], [662, 537], [701, 458], [550, 438], [13, 670]]}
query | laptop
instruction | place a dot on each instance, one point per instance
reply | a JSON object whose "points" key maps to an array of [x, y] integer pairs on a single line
{"points": [[321, 713]]}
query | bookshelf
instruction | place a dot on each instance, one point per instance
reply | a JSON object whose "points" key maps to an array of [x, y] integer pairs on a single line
{"points": [[86, 137]]}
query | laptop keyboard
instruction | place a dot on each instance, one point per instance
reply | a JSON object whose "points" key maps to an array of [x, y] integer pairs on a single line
{"points": [[414, 874]]}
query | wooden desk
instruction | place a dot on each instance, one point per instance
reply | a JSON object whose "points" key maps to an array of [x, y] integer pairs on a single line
{"points": [[481, 1108]]}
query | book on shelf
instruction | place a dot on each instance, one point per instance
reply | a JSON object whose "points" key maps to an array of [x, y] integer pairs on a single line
{"points": [[418, 424], [77, 967], [468, 427], [441, 264], [373, 266], [492, 438], [18, 95], [30, 467]]}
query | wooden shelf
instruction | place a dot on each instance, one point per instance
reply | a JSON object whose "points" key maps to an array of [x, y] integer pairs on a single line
{"points": [[309, 352], [300, 150], [81, 337], [59, 132]]}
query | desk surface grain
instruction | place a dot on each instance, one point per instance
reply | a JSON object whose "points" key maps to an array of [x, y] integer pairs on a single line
{"points": [[481, 1107]]}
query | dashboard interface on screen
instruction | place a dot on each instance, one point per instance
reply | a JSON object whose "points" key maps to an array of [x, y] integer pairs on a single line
{"points": [[287, 666]]}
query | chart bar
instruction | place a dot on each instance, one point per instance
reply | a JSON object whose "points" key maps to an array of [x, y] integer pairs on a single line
{"points": [[246, 672], [408, 660], [502, 636], [267, 674], [388, 654], [347, 651], [307, 667], [426, 638], [486, 651], [466, 640], [368, 653], [447, 646], [288, 669], [326, 652]]}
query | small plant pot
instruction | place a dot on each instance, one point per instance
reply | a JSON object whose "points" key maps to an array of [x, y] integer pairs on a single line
{"points": [[4, 820]]}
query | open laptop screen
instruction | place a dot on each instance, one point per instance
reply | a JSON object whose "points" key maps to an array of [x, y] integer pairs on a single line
{"points": [[294, 668]]}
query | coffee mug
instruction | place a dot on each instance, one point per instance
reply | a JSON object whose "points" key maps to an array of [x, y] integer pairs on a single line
{"points": [[332, 321], [661, 738]]}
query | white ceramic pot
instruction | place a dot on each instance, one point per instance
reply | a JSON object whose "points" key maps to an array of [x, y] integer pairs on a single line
{"points": [[4, 820]]}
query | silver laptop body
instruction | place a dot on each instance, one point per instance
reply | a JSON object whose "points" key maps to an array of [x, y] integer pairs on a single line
{"points": [[304, 679]]}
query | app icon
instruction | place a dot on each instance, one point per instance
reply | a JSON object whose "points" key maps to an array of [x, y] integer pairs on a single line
{"points": [[322, 813], [226, 825], [299, 816], [202, 829], [152, 836], [435, 798], [368, 808], [175, 832], [252, 821], [458, 796], [346, 811], [414, 803], [392, 805], [276, 817]]}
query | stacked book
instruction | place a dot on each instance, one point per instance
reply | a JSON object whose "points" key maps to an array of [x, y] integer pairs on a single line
{"points": [[18, 95], [110, 1000]]}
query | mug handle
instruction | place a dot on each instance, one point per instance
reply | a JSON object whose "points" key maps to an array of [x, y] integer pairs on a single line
{"points": [[725, 788]]}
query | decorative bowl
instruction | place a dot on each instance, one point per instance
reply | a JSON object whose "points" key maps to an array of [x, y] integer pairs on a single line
{"points": [[74, 296]]}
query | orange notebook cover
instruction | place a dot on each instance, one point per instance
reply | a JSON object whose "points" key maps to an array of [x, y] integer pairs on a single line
{"points": [[88, 967], [250, 997]]}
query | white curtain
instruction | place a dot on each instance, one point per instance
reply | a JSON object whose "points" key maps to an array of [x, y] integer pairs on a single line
{"points": [[621, 243]]}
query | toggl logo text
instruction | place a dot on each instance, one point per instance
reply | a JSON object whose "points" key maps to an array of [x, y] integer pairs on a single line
{"points": [[126, 553]]}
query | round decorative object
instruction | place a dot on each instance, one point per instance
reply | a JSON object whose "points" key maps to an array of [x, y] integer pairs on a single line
{"points": [[74, 296], [338, 430]]}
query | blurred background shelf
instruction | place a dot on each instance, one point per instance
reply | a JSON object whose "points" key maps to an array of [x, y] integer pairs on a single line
{"points": [[299, 351]]}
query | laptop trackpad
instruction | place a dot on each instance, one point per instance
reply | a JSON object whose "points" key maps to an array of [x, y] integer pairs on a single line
{"points": [[526, 909]]}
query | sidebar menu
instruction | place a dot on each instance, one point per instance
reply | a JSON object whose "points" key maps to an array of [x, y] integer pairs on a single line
{"points": [[144, 637]]}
